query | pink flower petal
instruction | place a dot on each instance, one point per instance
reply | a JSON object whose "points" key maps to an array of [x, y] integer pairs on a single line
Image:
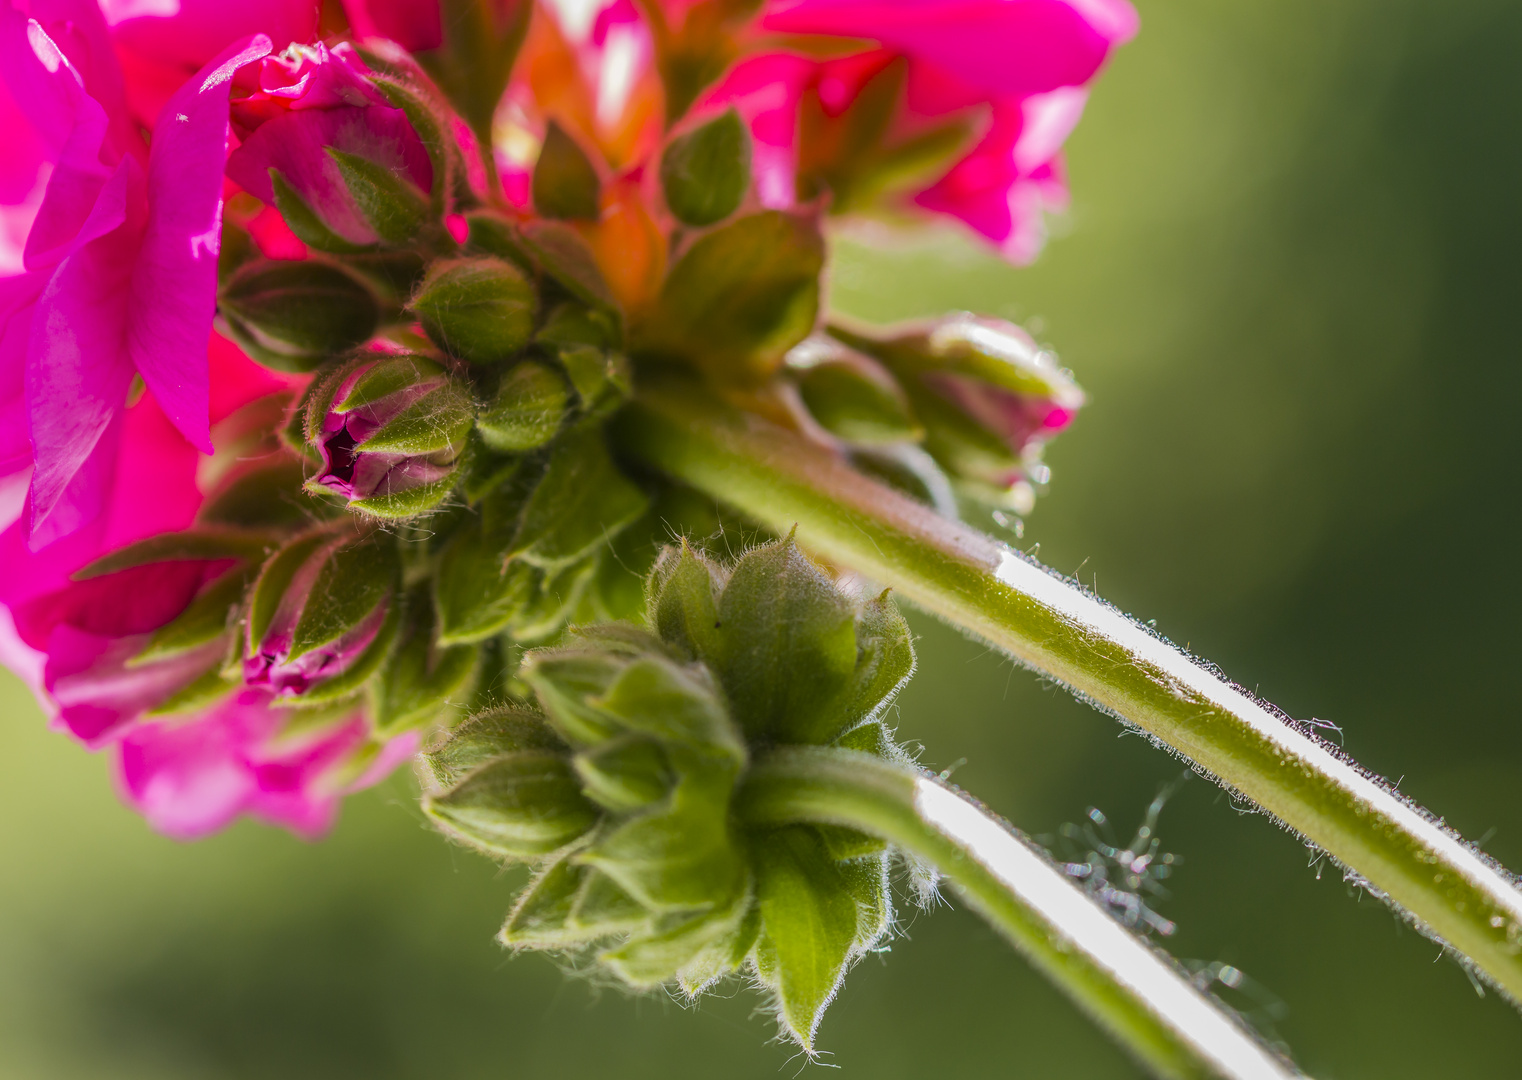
{"points": [[174, 281]]}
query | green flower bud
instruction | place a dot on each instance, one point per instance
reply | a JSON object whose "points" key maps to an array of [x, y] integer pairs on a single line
{"points": [[649, 861], [389, 431], [706, 172], [481, 309], [424, 681], [293, 315], [852, 396], [322, 616], [989, 398], [526, 410], [520, 805]]}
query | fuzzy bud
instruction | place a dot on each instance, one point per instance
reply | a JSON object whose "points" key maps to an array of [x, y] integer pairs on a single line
{"points": [[294, 315], [389, 431], [989, 398], [480, 309], [322, 617]]}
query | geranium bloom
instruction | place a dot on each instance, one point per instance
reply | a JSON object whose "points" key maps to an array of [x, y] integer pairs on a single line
{"points": [[310, 99], [1011, 71], [193, 778], [120, 263]]}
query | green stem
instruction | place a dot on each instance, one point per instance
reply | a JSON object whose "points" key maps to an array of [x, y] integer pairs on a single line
{"points": [[1142, 997], [1054, 627]]}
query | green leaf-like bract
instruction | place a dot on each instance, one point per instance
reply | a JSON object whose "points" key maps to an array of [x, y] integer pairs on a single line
{"points": [[565, 182], [705, 172], [739, 298]]}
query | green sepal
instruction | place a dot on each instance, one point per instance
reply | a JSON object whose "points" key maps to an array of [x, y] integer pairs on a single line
{"points": [[442, 150], [437, 422], [393, 206], [724, 954], [624, 775], [603, 379], [885, 659], [305, 222], [393, 273], [564, 256], [683, 601], [674, 703], [869, 738], [522, 805], [676, 942], [496, 733], [423, 680], [811, 922], [209, 687], [410, 503], [555, 595], [197, 543], [474, 61], [489, 233], [354, 677], [739, 298], [299, 312], [569, 905], [275, 577], [866, 879], [476, 590], [706, 172], [208, 617], [581, 500], [856, 400], [571, 323], [380, 377], [565, 182], [787, 646], [479, 308], [566, 683], [526, 409], [238, 247], [355, 579], [265, 496]]}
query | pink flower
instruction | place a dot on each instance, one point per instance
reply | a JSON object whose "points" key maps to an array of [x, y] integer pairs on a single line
{"points": [[92, 633], [309, 99], [193, 778], [415, 25], [1014, 68], [119, 265], [161, 43]]}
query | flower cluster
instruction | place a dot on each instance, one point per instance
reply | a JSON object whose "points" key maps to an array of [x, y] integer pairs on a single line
{"points": [[311, 333], [622, 790]]}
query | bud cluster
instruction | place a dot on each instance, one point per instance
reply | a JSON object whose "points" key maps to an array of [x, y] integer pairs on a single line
{"points": [[619, 788], [442, 490]]}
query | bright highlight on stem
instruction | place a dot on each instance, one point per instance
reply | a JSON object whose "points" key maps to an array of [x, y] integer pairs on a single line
{"points": [[1447, 888], [1139, 995]]}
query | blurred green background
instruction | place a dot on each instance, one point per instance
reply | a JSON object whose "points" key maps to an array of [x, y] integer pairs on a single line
{"points": [[1290, 282]]}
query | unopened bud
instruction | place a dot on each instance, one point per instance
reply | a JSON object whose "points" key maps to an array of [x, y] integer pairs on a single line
{"points": [[527, 409], [322, 617], [988, 395], [625, 775], [390, 431], [850, 394], [294, 315], [521, 805], [480, 309]]}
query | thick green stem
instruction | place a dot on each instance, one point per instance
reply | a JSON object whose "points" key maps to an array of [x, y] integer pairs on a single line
{"points": [[1140, 996], [1054, 627]]}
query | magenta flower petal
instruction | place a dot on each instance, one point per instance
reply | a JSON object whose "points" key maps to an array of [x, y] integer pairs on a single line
{"points": [[174, 281], [1007, 48], [185, 34], [415, 25]]}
